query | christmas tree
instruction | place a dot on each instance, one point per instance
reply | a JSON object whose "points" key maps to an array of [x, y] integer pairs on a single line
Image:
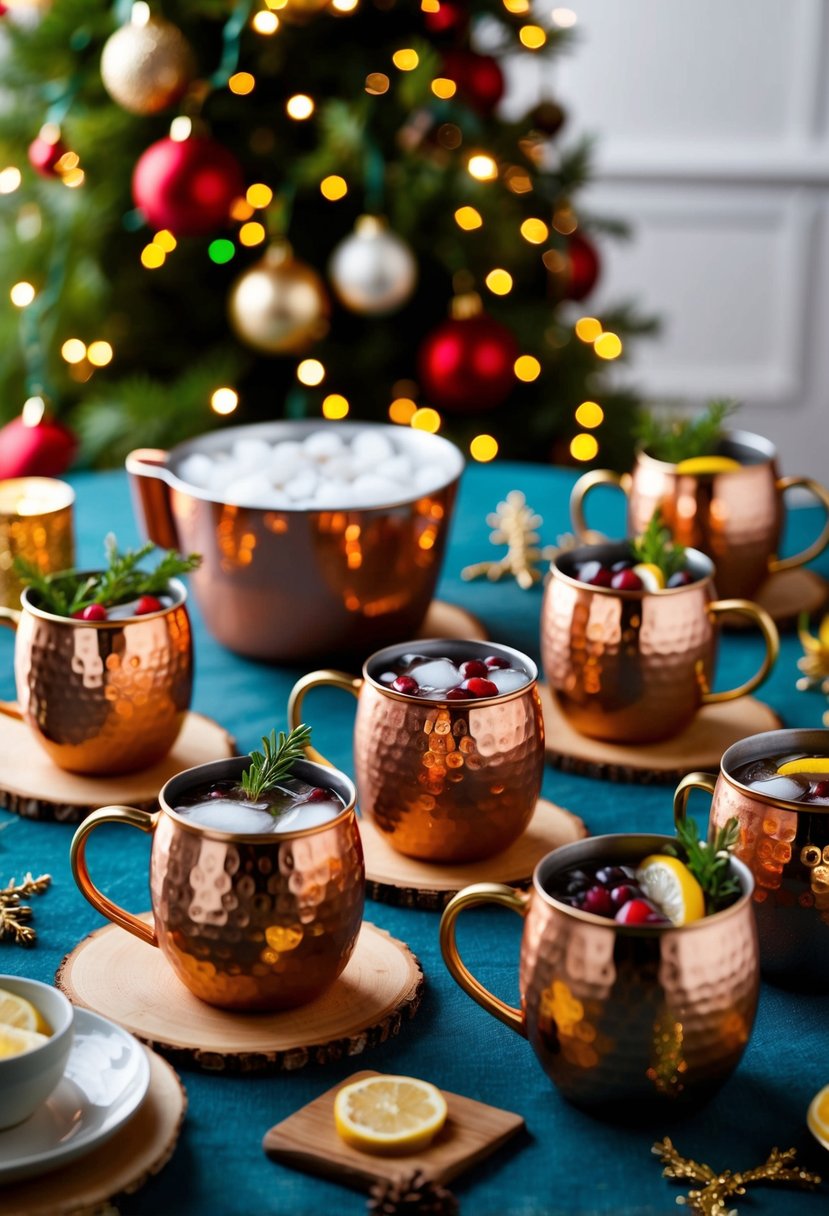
{"points": [[215, 210]]}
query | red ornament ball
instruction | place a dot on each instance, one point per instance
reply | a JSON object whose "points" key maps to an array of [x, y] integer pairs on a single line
{"points": [[583, 268], [479, 78], [44, 155], [451, 17], [187, 185], [44, 450], [466, 365]]}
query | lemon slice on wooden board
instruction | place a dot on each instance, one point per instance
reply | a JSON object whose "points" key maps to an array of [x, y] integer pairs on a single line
{"points": [[13, 1041], [668, 883], [650, 575], [807, 764], [384, 1114], [818, 1116], [698, 466], [17, 1011]]}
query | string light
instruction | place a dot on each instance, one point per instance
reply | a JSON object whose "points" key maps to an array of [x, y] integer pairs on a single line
{"points": [[405, 60], [240, 209], [276, 3], [165, 240], [588, 329], [310, 372], [535, 231], [140, 13], [344, 6], [564, 221], [252, 233], [221, 251], [402, 410], [564, 18], [483, 448], [590, 414], [265, 22], [10, 179], [333, 187], [499, 281], [22, 294], [99, 354], [532, 36], [584, 447], [241, 83], [33, 412], [73, 350], [224, 401], [430, 6], [335, 406], [482, 167], [69, 160], [377, 83], [152, 256], [517, 6], [425, 419], [181, 128], [258, 195], [300, 107], [468, 218], [517, 180], [74, 178], [443, 87], [608, 345], [527, 368]]}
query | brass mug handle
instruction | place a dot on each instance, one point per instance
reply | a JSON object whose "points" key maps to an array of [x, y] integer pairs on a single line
{"points": [[142, 820], [10, 617], [471, 897], [770, 636], [693, 781], [586, 483], [319, 679], [817, 546]]}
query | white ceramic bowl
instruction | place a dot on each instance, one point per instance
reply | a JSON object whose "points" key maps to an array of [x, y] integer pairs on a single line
{"points": [[28, 1079]]}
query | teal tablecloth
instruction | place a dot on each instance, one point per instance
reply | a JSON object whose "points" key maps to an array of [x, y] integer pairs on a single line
{"points": [[569, 1164]]}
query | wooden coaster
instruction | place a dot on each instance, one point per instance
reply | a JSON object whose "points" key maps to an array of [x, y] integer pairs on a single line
{"points": [[393, 878], [450, 621], [34, 788], [127, 980], [308, 1141], [700, 746], [785, 595], [122, 1165]]}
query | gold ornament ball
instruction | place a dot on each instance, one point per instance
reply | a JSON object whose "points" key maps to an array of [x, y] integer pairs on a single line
{"points": [[146, 67], [279, 305]]}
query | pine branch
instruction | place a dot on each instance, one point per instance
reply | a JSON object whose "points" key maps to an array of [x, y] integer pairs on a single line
{"points": [[711, 863], [674, 439], [656, 547], [275, 761]]}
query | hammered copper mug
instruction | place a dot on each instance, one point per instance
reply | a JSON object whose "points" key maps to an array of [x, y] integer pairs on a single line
{"points": [[786, 847], [247, 922], [441, 780], [620, 1014], [102, 696], [734, 517], [636, 666]]}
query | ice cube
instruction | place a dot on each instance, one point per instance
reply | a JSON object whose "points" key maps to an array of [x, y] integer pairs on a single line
{"points": [[507, 679], [369, 448], [307, 815], [228, 815], [197, 469], [791, 789], [322, 445], [757, 770], [302, 487], [251, 490], [252, 453], [437, 674], [370, 490]]}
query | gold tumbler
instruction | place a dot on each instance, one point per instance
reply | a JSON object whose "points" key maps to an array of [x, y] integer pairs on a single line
{"points": [[35, 524]]}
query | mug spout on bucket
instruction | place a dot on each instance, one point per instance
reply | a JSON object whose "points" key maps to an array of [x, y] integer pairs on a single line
{"points": [[147, 471]]}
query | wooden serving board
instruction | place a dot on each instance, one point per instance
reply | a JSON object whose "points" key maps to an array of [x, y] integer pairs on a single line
{"points": [[35, 788], [308, 1140], [138, 1151], [700, 746], [450, 621], [125, 979], [393, 878]]}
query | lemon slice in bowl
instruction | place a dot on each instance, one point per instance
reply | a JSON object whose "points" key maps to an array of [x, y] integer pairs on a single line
{"points": [[807, 764], [13, 1041], [818, 1116], [668, 883], [700, 465], [384, 1114], [17, 1011], [650, 575]]}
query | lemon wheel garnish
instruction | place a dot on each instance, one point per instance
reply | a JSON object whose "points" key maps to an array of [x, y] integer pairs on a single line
{"points": [[14, 1041], [668, 883], [818, 1116], [808, 764], [389, 1114], [700, 465], [17, 1011], [650, 575]]}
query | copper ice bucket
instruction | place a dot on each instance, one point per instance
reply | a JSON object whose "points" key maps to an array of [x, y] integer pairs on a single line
{"points": [[786, 847], [619, 1014], [292, 584], [735, 517]]}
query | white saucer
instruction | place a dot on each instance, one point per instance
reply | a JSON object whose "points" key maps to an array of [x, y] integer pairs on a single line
{"points": [[106, 1079]]}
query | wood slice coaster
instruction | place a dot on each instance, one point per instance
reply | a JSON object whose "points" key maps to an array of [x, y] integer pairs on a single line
{"points": [[309, 1141], [700, 746], [450, 621], [785, 595], [35, 788], [138, 1151], [393, 878], [127, 980]]}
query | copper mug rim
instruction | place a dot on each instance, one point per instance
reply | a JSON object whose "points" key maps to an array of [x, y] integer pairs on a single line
{"points": [[179, 599], [234, 766], [422, 645], [734, 756], [620, 548], [739, 438], [65, 499], [651, 843]]}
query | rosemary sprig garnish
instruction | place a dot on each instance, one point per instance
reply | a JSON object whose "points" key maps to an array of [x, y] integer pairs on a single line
{"points": [[656, 547], [275, 760], [710, 863], [674, 439]]}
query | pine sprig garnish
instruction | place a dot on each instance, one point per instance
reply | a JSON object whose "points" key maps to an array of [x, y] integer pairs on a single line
{"points": [[710, 863], [657, 548], [674, 439], [275, 761]]}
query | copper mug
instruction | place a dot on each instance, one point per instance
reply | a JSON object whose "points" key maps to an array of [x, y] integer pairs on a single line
{"points": [[35, 524], [247, 922], [786, 847], [736, 517], [441, 780], [620, 1014], [636, 666], [102, 696]]}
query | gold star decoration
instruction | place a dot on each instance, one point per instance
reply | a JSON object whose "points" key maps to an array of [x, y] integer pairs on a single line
{"points": [[14, 915], [709, 1199], [515, 525], [815, 661]]}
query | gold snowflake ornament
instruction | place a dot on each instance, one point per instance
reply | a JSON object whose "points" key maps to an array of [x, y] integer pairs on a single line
{"points": [[14, 915], [515, 525], [714, 1189]]}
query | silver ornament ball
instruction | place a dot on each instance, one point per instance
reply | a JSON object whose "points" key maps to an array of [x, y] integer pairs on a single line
{"points": [[373, 270], [147, 64]]}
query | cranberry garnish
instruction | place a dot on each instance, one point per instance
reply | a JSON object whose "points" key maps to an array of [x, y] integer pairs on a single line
{"points": [[819, 790], [595, 574], [459, 694], [474, 667], [318, 794], [220, 789], [681, 579], [623, 894], [405, 684], [495, 660], [636, 912], [626, 580], [92, 612], [148, 603], [597, 900], [611, 876], [481, 688]]}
